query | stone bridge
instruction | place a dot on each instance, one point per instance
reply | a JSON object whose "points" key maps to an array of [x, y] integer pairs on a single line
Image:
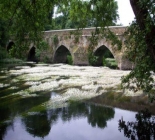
{"points": [[70, 42]]}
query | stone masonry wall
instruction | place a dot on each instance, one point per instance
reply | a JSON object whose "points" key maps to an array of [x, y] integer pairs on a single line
{"points": [[78, 47]]}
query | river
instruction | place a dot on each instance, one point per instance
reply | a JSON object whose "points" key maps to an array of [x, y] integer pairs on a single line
{"points": [[40, 101]]}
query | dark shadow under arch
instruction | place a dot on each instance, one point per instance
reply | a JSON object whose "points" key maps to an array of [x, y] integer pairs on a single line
{"points": [[32, 55], [102, 52], [10, 45], [61, 55]]}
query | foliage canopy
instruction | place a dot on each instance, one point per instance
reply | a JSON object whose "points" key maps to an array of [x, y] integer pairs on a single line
{"points": [[140, 43]]}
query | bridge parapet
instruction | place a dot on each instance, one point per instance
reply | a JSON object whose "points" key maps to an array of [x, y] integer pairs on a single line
{"points": [[118, 30]]}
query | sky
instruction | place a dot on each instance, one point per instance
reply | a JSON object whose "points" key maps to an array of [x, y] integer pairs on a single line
{"points": [[125, 12]]}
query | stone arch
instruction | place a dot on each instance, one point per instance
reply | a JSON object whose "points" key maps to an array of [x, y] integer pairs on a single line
{"points": [[32, 55], [10, 45], [61, 53], [101, 52]]}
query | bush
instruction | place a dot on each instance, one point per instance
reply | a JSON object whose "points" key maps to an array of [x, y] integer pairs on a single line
{"points": [[42, 47], [110, 62], [92, 58], [11, 61], [48, 27], [46, 59], [38, 53], [5, 58], [3, 53], [55, 40], [69, 60]]}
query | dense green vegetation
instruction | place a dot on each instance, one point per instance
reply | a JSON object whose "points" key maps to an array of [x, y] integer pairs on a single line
{"points": [[106, 61], [92, 58], [140, 43], [102, 57], [68, 16], [3, 53], [110, 62], [6, 58], [69, 59]]}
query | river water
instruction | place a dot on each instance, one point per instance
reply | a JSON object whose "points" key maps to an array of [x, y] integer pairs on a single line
{"points": [[50, 102]]}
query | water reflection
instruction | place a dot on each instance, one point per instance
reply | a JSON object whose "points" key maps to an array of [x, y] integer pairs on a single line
{"points": [[142, 129], [77, 121], [11, 106], [99, 116], [3, 129], [38, 125]]}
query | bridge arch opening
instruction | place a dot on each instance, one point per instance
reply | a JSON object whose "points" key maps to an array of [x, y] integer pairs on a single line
{"points": [[104, 57], [32, 55], [9, 46], [62, 55]]}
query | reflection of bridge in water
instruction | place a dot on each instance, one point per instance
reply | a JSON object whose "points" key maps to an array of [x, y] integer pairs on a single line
{"points": [[65, 42]]}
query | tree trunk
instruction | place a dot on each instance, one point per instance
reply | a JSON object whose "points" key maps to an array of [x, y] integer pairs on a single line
{"points": [[142, 14]]}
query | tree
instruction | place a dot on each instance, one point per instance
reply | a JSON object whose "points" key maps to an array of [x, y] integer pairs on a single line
{"points": [[78, 14], [145, 13], [3, 33], [140, 45], [25, 20]]}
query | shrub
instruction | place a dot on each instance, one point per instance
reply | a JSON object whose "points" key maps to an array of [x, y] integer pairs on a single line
{"points": [[46, 59], [55, 40], [11, 61], [92, 58], [110, 62], [69, 60], [3, 53]]}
